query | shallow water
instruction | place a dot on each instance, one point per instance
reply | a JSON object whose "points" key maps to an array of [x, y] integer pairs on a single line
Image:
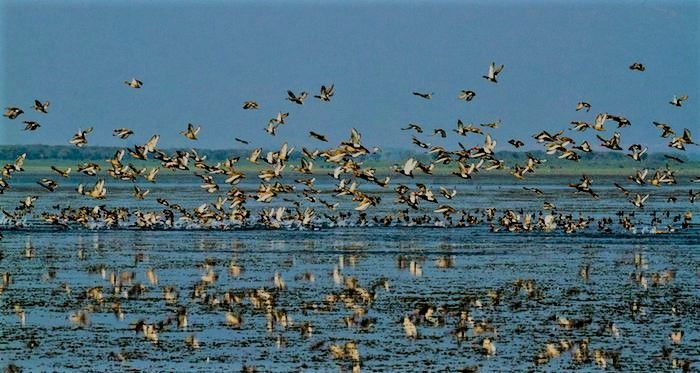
{"points": [[620, 289], [481, 261]]}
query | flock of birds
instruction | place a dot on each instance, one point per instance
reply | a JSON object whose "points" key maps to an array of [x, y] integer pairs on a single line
{"points": [[346, 159]]}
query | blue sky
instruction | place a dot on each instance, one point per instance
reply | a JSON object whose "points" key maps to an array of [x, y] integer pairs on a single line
{"points": [[200, 62]]}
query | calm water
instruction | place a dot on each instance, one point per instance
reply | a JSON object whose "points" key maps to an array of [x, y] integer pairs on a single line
{"points": [[407, 270]]}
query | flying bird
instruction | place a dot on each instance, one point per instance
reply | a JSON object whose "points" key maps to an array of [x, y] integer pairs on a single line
{"points": [[637, 66], [678, 100], [326, 93], [299, 100], [134, 83], [41, 107], [493, 72], [191, 132], [466, 95]]}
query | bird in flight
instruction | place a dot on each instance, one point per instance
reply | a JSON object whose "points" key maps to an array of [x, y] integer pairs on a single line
{"points": [[426, 96], [134, 83], [493, 72]]}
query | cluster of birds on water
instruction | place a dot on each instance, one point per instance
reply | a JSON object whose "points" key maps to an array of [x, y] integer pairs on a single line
{"points": [[474, 318], [310, 209]]}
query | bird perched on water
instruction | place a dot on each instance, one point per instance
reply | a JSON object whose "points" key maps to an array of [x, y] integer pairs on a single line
{"points": [[493, 72]]}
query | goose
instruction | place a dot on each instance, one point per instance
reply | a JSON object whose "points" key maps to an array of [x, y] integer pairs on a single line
{"points": [[299, 100], [469, 128], [30, 125], [621, 121], [678, 100], [42, 108], [191, 132], [280, 117], [493, 72], [612, 143], [637, 66], [584, 186], [318, 136], [583, 105], [122, 133], [622, 189], [151, 175], [492, 124], [637, 152], [134, 83], [439, 131], [638, 200], [666, 130], [410, 328], [326, 93], [680, 142], [584, 147], [250, 105], [673, 158], [49, 184], [13, 112], [140, 193], [272, 128], [516, 143], [420, 143], [80, 138], [426, 96], [640, 176], [254, 155], [599, 123], [537, 191], [63, 173], [465, 171], [580, 125], [408, 167], [466, 95], [98, 191], [413, 126], [449, 194]]}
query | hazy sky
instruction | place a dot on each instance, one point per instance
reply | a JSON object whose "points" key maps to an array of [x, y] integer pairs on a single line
{"points": [[200, 62]]}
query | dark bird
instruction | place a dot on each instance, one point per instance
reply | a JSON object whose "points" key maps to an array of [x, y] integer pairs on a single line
{"points": [[426, 96], [466, 95], [326, 93], [637, 66], [299, 100], [318, 136]]}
